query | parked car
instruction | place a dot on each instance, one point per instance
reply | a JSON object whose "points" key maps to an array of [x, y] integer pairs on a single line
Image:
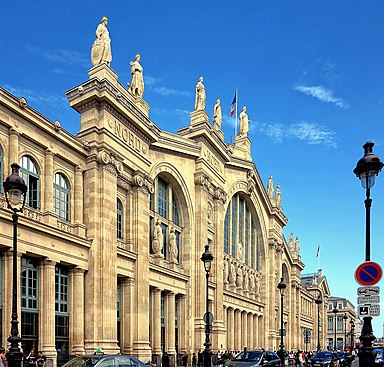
{"points": [[325, 359], [379, 359], [104, 360], [257, 357], [345, 359]]}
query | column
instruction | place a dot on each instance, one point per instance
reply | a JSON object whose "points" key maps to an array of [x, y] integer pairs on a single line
{"points": [[184, 327], [13, 150], [126, 315], [244, 331], [47, 309], [77, 311], [170, 329], [47, 202], [237, 330], [156, 315], [231, 328], [250, 341], [78, 195], [255, 322]]}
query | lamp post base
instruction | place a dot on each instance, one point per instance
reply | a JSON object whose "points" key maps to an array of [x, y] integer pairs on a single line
{"points": [[281, 354], [365, 354]]}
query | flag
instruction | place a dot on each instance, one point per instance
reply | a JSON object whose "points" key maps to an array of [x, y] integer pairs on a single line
{"points": [[233, 105], [318, 251]]}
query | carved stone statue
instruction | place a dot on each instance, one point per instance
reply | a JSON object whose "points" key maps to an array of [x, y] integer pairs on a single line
{"points": [[101, 49], [270, 189], [246, 280], [157, 242], [240, 254], [278, 196], [291, 243], [252, 282], [137, 85], [217, 116], [257, 285], [173, 250], [225, 271], [297, 245], [200, 98], [232, 273], [244, 122], [239, 276]]}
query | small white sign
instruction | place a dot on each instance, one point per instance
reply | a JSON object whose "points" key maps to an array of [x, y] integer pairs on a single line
{"points": [[368, 291], [368, 300], [368, 310]]}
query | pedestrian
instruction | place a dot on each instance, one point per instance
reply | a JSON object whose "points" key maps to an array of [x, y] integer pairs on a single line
{"points": [[194, 360], [184, 359], [31, 358], [40, 361], [200, 358], [3, 361], [165, 360]]}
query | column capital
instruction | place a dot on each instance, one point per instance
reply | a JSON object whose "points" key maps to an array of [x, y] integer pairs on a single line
{"points": [[78, 271]]}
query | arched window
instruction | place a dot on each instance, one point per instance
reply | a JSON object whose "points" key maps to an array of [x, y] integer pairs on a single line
{"points": [[165, 206], [30, 174], [119, 220], [240, 227], [61, 196]]}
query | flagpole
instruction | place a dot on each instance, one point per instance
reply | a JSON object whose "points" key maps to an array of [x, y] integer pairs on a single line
{"points": [[318, 257], [237, 101]]}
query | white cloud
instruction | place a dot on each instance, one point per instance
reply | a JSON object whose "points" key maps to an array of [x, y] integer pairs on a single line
{"points": [[308, 132], [153, 85], [322, 94], [62, 56], [38, 97]]}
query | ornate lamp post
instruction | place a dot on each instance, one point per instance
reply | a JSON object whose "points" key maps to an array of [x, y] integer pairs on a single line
{"points": [[15, 191], [207, 259], [367, 169], [335, 311], [281, 286], [318, 301], [345, 318], [352, 334]]}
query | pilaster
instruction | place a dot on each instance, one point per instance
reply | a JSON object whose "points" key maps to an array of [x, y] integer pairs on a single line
{"points": [[231, 329], [77, 308], [126, 316], [13, 149], [170, 330], [156, 316]]}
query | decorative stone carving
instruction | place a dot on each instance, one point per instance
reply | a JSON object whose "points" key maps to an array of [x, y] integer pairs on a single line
{"points": [[232, 273], [291, 243], [200, 98], [57, 125], [144, 181], [297, 245], [270, 188], [101, 49], [136, 87], [157, 241], [240, 253], [217, 116], [173, 250], [239, 276], [251, 180], [23, 102], [246, 280], [225, 271], [209, 213], [252, 282], [220, 194], [244, 122], [278, 196], [112, 159], [257, 285]]}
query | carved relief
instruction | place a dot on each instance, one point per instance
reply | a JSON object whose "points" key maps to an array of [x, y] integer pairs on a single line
{"points": [[232, 273], [111, 159], [209, 213], [239, 276], [251, 181], [225, 271], [220, 194]]}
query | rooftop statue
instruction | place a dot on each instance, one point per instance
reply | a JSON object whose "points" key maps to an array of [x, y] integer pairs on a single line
{"points": [[200, 98], [101, 49], [244, 122], [270, 189], [137, 85], [217, 115]]}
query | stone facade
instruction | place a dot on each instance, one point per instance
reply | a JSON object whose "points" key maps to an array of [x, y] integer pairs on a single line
{"points": [[93, 271]]}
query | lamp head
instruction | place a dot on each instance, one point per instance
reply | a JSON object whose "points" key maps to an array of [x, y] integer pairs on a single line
{"points": [[15, 189], [281, 286], [207, 259]]}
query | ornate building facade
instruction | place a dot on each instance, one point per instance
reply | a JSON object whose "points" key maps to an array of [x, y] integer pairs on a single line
{"points": [[116, 221]]}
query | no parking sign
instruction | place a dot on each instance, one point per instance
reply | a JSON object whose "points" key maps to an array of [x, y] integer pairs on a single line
{"points": [[368, 273]]}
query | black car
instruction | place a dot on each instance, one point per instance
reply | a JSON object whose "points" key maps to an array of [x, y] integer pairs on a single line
{"points": [[257, 357], [104, 360], [345, 359], [379, 359], [325, 359]]}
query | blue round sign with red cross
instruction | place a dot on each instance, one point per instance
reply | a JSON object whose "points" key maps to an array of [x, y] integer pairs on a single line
{"points": [[368, 273]]}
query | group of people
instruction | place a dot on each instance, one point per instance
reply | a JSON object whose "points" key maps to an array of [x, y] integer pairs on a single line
{"points": [[31, 360]]}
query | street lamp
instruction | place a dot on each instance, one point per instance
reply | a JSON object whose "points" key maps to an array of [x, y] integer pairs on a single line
{"points": [[345, 318], [318, 301], [367, 169], [281, 286], [15, 191], [352, 334], [207, 259], [335, 311]]}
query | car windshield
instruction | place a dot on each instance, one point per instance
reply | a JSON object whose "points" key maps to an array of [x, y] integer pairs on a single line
{"points": [[83, 361], [249, 356], [379, 353], [321, 355]]}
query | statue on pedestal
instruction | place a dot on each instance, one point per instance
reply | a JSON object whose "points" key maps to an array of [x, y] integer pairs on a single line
{"points": [[200, 98], [157, 242], [225, 271], [217, 115], [173, 250], [270, 189], [278, 196], [232, 273], [101, 48], [244, 122], [137, 85]]}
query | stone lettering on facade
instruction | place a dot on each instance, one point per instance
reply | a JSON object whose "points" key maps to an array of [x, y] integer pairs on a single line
{"points": [[213, 161], [123, 133]]}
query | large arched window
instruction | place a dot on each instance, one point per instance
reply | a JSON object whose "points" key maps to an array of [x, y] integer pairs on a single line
{"points": [[240, 228], [30, 174], [119, 220], [165, 206], [61, 196]]}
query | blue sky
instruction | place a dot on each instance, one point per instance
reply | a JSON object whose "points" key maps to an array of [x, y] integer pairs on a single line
{"points": [[310, 73]]}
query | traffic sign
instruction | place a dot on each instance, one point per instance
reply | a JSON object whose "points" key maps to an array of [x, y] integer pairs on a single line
{"points": [[368, 273], [368, 291], [368, 310], [368, 300]]}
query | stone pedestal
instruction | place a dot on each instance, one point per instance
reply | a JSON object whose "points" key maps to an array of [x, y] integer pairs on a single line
{"points": [[103, 71], [140, 104], [242, 148], [198, 117]]}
